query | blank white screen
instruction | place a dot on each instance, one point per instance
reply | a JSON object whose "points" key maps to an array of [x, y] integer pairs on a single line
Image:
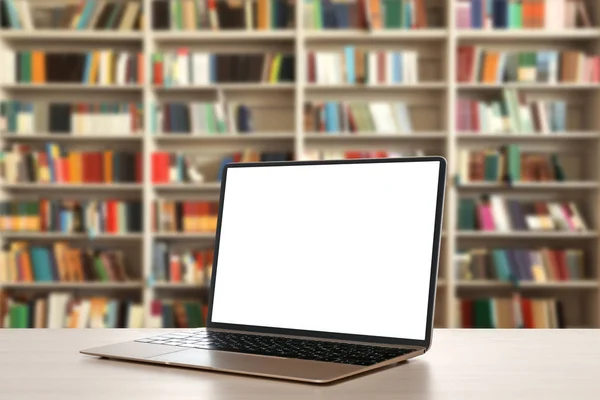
{"points": [[343, 248]]}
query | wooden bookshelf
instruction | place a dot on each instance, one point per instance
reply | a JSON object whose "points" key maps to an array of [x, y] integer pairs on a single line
{"points": [[436, 99]]}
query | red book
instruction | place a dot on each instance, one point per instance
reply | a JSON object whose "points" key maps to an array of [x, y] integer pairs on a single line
{"points": [[380, 154], [187, 213], [154, 167], [561, 262], [466, 313], [64, 169], [474, 116], [132, 117], [200, 260], [97, 167], [160, 167], [311, 67], [381, 67], [175, 268], [111, 216], [204, 314], [140, 68], [527, 312], [139, 169], [157, 70], [352, 154], [44, 207], [237, 157]]}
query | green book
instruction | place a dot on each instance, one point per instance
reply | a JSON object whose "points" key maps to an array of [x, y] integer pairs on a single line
{"points": [[466, 214], [193, 312], [210, 118], [318, 14], [513, 162], [12, 108], [559, 172], [391, 12], [100, 269], [519, 14], [19, 316], [491, 167], [501, 264], [483, 313], [112, 19], [25, 66]]}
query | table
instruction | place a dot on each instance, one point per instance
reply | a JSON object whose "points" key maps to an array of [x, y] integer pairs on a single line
{"points": [[462, 364]]}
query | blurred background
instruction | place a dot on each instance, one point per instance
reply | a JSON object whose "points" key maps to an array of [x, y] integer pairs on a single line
{"points": [[117, 116]]}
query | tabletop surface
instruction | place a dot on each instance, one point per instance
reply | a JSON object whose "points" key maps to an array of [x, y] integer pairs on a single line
{"points": [[462, 364]]}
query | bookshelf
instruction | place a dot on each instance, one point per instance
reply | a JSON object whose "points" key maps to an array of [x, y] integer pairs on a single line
{"points": [[432, 102]]}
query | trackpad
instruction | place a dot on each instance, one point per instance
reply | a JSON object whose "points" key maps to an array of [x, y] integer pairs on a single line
{"points": [[245, 363]]}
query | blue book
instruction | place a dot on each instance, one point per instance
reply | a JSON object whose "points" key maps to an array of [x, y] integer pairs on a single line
{"points": [[342, 15], [244, 119], [180, 167], [13, 14], [501, 72], [331, 117], [42, 270], [86, 14], [226, 160], [213, 68], [407, 15], [513, 263], [561, 116], [349, 57], [329, 14], [501, 264], [499, 13], [112, 314], [87, 68], [476, 14], [50, 162], [396, 67]]}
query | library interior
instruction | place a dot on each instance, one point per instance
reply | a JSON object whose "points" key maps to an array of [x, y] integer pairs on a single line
{"points": [[117, 117]]}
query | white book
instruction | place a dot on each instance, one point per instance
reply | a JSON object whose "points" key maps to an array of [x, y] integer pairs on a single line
{"points": [[570, 14], [183, 68], [7, 72], [415, 69], [104, 69], [219, 110], [83, 316], [24, 11], [201, 68], [57, 310], [383, 118], [372, 68], [577, 218], [135, 316], [464, 156], [403, 118], [406, 72], [389, 67], [500, 213], [93, 118], [121, 68], [334, 75], [550, 21], [320, 72], [558, 217], [534, 223], [553, 67]]}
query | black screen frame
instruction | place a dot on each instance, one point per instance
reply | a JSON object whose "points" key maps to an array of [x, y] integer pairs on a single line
{"points": [[426, 343]]}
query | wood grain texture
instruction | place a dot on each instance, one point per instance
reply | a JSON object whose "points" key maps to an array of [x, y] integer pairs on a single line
{"points": [[465, 364]]}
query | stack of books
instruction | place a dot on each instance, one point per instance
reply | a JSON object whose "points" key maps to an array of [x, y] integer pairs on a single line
{"points": [[509, 265], [377, 117], [23, 165], [22, 262], [100, 67], [354, 65], [476, 64], [508, 164], [28, 118], [181, 266], [71, 216], [177, 314], [63, 310], [83, 15], [184, 67], [496, 214], [514, 312], [518, 14], [188, 15], [513, 113]]}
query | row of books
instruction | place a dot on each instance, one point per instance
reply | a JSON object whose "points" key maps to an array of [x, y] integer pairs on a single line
{"points": [[55, 165], [512, 312], [174, 168], [376, 117], [22, 262], [372, 14], [71, 216], [361, 66], [63, 310], [177, 314], [181, 265], [101, 67], [508, 164], [517, 14], [184, 67], [87, 14], [514, 113], [169, 216], [496, 214], [201, 118], [28, 118], [354, 154], [509, 265], [476, 64], [191, 15]]}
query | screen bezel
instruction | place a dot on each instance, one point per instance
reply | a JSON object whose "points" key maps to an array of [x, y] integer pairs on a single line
{"points": [[334, 335]]}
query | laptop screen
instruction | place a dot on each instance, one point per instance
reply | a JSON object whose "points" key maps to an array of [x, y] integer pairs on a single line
{"points": [[337, 248]]}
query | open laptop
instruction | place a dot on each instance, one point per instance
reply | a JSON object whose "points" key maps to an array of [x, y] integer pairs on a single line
{"points": [[322, 270]]}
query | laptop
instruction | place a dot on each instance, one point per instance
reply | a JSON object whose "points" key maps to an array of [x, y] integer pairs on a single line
{"points": [[322, 270]]}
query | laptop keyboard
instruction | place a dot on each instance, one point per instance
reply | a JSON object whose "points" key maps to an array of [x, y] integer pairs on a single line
{"points": [[315, 350]]}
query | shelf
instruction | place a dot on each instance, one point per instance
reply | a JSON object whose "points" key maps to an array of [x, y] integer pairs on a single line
{"points": [[61, 137], [528, 86], [561, 285], [79, 87], [108, 187], [73, 285], [348, 35], [583, 135], [68, 236], [241, 137], [372, 136], [227, 86], [504, 34], [180, 286], [192, 187], [530, 186], [525, 235], [184, 236], [316, 87], [224, 35], [36, 35]]}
